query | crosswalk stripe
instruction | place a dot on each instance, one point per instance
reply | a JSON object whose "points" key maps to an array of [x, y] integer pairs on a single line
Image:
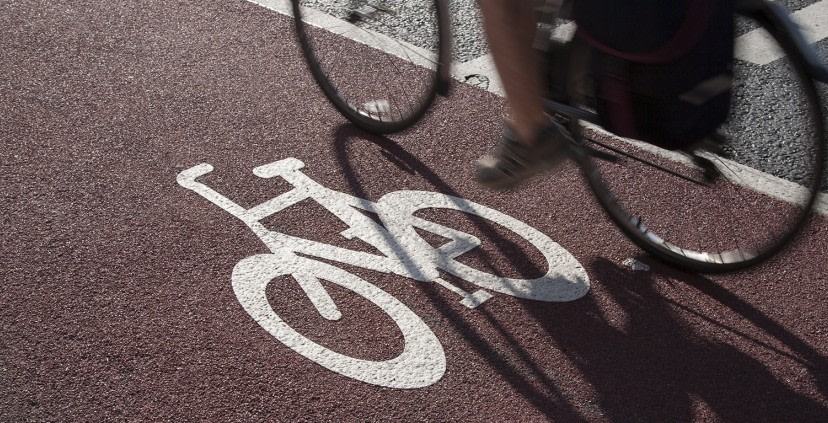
{"points": [[758, 47]]}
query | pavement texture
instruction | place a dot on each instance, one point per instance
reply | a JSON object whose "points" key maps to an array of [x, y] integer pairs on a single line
{"points": [[116, 301]]}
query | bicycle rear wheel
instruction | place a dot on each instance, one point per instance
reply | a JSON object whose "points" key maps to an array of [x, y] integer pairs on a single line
{"points": [[730, 207], [380, 63]]}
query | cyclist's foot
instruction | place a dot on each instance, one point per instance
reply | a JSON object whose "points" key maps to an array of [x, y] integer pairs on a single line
{"points": [[516, 162]]}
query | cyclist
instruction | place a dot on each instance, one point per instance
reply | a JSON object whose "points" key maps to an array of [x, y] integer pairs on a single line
{"points": [[529, 145]]}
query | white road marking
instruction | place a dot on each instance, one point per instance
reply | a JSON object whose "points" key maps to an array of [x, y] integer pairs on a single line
{"points": [[376, 40], [758, 47], [403, 252], [281, 6]]}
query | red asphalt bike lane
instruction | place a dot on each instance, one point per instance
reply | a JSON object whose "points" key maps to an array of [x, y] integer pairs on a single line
{"points": [[117, 303]]}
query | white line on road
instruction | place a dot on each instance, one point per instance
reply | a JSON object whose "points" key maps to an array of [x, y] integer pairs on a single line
{"points": [[281, 6], [758, 47]]}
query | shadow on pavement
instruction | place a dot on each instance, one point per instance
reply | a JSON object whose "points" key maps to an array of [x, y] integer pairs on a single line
{"points": [[645, 361], [515, 365], [636, 349]]}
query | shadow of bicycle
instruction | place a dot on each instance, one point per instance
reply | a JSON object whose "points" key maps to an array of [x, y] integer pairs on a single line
{"points": [[513, 363], [522, 261], [670, 346], [644, 346]]}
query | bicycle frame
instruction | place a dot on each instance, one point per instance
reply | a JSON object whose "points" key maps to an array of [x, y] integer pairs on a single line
{"points": [[402, 258], [404, 251]]}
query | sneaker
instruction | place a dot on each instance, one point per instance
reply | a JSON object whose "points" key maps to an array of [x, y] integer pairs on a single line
{"points": [[516, 162]]}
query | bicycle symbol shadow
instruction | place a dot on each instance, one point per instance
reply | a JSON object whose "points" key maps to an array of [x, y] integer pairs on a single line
{"points": [[649, 360], [712, 368], [403, 251]]}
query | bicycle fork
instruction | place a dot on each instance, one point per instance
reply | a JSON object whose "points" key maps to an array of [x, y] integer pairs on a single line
{"points": [[405, 263]]}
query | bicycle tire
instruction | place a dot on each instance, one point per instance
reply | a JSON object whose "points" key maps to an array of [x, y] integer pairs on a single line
{"points": [[564, 278], [421, 363], [756, 204], [380, 65]]}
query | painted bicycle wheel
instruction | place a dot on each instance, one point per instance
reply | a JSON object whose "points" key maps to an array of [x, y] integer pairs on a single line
{"points": [[422, 361]]}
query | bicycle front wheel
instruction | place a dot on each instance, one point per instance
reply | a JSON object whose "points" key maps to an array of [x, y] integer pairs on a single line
{"points": [[421, 363], [380, 63], [740, 200], [561, 277]]}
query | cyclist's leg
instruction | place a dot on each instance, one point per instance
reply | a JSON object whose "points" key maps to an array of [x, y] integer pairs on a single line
{"points": [[510, 31], [532, 145]]}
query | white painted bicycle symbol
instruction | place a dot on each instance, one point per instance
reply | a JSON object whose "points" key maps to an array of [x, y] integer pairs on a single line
{"points": [[405, 253]]}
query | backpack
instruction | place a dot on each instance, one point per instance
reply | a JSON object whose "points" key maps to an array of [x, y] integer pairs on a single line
{"points": [[662, 69]]}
